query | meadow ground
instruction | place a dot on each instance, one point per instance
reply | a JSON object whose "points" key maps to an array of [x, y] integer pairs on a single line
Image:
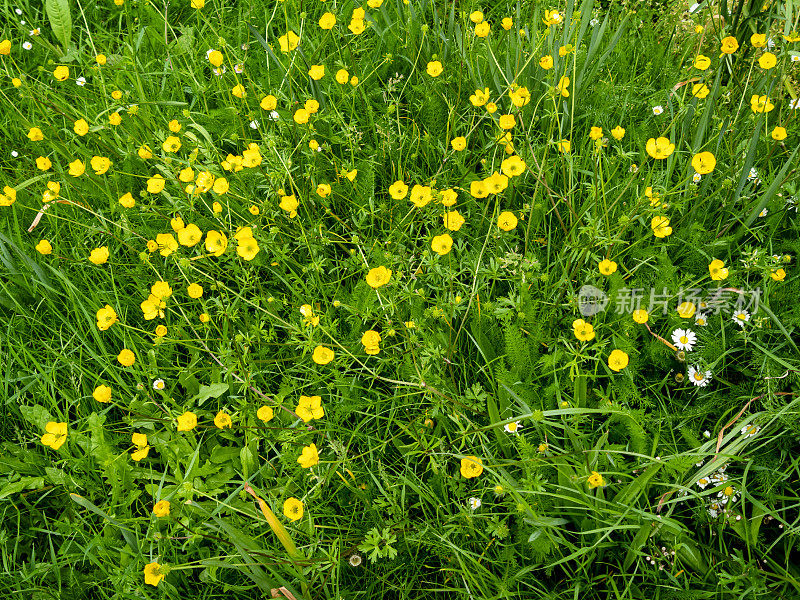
{"points": [[402, 299]]}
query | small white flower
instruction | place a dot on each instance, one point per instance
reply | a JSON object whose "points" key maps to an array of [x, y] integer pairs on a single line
{"points": [[753, 173], [698, 377], [703, 482], [741, 317], [14, 153], [763, 213], [475, 503], [245, 47], [274, 115], [513, 427], [750, 430], [719, 477], [770, 43], [18, 11], [684, 339], [22, 23], [657, 110], [594, 22], [34, 32], [27, 45], [794, 103], [254, 124], [238, 68], [220, 71], [701, 319], [795, 57], [354, 560], [158, 384], [706, 434], [81, 81], [696, 177]]}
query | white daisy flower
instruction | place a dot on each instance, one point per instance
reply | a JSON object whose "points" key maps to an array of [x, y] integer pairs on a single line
{"points": [[594, 22], [701, 319], [27, 45], [770, 43], [513, 427], [274, 115], [475, 503], [657, 110], [795, 57], [719, 477], [703, 482], [14, 153], [727, 495], [698, 377], [158, 384], [750, 430], [715, 508], [763, 213], [254, 124], [684, 339], [696, 177], [220, 71], [238, 68], [34, 31], [741, 317], [18, 11], [794, 103], [81, 81]]}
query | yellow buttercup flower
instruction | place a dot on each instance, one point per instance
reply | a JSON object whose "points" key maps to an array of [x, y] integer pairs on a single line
{"points": [[607, 267], [704, 162], [659, 148], [126, 357], [99, 256], [55, 435], [441, 244], [289, 41], [434, 68], [595, 480], [717, 270], [507, 220], [617, 360], [153, 572], [322, 355], [102, 393], [187, 421], [729, 45], [583, 330], [378, 277], [161, 508], [309, 456], [223, 420], [471, 466], [293, 509]]}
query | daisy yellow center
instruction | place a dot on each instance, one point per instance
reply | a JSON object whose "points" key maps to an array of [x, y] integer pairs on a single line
{"points": [[684, 339], [512, 426], [698, 376]]}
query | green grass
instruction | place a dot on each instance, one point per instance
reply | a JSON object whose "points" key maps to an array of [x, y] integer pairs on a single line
{"points": [[472, 341]]}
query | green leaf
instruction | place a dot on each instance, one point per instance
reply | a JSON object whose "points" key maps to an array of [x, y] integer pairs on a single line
{"points": [[60, 20], [215, 390], [36, 415]]}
